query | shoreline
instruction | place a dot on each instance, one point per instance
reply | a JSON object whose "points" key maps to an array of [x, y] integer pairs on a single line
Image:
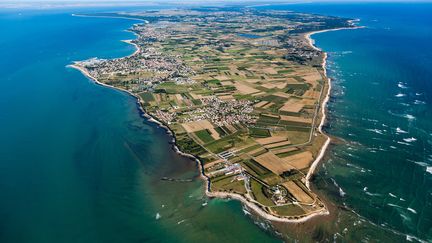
{"points": [[225, 195], [311, 42]]}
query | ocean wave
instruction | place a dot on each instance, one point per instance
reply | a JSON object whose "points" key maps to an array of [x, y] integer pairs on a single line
{"points": [[410, 140], [419, 102], [341, 192], [404, 217], [409, 117], [245, 211], [392, 195], [412, 210], [394, 205], [378, 131], [181, 221], [402, 85], [400, 95], [425, 165], [365, 189], [404, 143], [369, 119], [354, 166], [399, 130], [412, 238]]}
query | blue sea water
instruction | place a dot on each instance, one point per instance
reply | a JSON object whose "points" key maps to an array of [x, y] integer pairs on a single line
{"points": [[78, 163], [381, 108]]}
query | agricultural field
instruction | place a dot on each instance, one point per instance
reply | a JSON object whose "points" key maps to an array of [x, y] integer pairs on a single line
{"points": [[240, 90]]}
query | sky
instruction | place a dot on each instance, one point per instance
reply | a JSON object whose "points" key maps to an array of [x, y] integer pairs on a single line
{"points": [[196, 1], [83, 3]]}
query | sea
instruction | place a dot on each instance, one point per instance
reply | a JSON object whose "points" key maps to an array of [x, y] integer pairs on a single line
{"points": [[80, 163]]}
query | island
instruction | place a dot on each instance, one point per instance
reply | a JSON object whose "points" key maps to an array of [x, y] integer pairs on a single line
{"points": [[241, 90]]}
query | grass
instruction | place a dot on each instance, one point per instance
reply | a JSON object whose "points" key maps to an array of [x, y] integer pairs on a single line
{"points": [[275, 99], [220, 131], [257, 168], [259, 132], [289, 210], [172, 88], [268, 119], [257, 190], [295, 123], [147, 97], [204, 135], [187, 145], [226, 185]]}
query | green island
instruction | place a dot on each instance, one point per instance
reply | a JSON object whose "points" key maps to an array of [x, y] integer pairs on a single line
{"points": [[241, 90]]}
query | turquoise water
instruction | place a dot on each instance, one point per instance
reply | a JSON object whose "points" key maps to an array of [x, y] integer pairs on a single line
{"points": [[78, 163], [381, 106]]}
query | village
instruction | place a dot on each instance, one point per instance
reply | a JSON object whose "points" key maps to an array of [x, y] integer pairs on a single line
{"points": [[240, 91]]}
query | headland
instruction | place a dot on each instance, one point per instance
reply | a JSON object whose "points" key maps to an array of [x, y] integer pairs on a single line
{"points": [[242, 92]]}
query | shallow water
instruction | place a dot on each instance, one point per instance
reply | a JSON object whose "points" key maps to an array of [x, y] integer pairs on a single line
{"points": [[78, 163]]}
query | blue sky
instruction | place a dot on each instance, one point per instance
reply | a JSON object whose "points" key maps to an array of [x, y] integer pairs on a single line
{"points": [[72, 3]]}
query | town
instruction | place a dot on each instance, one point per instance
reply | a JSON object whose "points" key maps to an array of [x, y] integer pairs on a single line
{"points": [[240, 90]]}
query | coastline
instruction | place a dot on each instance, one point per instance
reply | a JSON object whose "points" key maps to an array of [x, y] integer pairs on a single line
{"points": [[247, 201], [311, 42]]}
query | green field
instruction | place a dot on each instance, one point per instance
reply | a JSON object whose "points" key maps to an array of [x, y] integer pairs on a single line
{"points": [[204, 135]]}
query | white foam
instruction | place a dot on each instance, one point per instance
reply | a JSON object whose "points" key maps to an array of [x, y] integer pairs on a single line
{"points": [[378, 131], [412, 210], [403, 143], [158, 216], [392, 195], [341, 192], [402, 85], [373, 194], [394, 205], [429, 169], [410, 140], [400, 95], [399, 130], [409, 117], [423, 164], [181, 221], [404, 217], [246, 212]]}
